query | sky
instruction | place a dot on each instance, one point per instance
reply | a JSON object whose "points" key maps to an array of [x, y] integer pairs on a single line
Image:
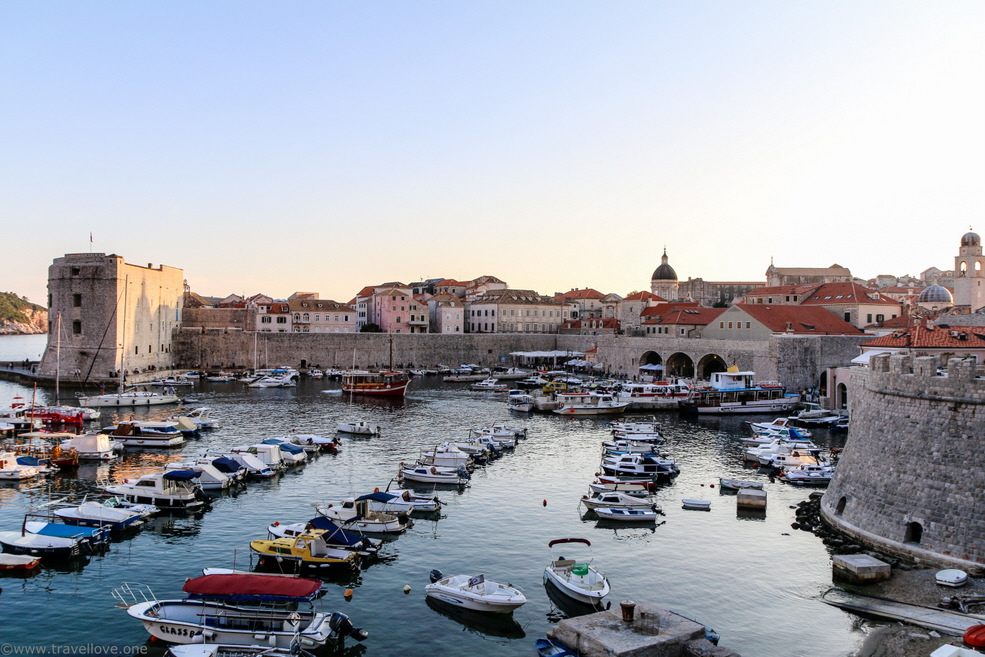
{"points": [[324, 146]]}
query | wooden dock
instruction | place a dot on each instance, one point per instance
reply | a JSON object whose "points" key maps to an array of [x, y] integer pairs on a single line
{"points": [[932, 618]]}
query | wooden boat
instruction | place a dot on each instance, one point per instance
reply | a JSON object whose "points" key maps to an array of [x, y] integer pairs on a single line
{"points": [[236, 608], [475, 593], [626, 514], [696, 505], [379, 384], [578, 580], [306, 550], [932, 618], [18, 562]]}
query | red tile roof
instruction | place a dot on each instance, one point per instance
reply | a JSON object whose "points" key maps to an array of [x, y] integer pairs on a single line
{"points": [[846, 293], [644, 296], [802, 320], [927, 337], [695, 316], [587, 293], [780, 290], [663, 308]]}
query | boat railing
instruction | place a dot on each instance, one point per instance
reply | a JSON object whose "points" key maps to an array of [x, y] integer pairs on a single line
{"points": [[130, 593]]}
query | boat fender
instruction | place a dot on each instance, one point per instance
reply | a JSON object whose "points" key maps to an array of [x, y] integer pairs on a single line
{"points": [[545, 502], [376, 490], [276, 523], [347, 595]]}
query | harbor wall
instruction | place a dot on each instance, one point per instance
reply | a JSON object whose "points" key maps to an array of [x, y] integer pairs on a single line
{"points": [[910, 479]]}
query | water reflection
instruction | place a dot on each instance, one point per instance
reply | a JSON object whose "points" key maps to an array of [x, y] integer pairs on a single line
{"points": [[498, 625], [563, 606]]}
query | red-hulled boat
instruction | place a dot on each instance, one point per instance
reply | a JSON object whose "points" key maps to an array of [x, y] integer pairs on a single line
{"points": [[13, 562]]}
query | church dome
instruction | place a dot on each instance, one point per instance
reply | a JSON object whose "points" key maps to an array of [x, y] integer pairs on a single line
{"points": [[971, 239], [664, 272], [937, 294]]}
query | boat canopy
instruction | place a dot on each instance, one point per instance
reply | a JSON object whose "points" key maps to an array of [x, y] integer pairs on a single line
{"points": [[334, 531], [28, 460], [225, 464], [69, 531], [377, 496], [559, 541], [182, 475], [248, 587], [290, 448]]}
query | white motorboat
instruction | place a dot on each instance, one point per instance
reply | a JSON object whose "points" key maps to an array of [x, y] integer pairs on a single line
{"points": [[11, 470], [232, 650], [39, 545], [623, 514], [696, 505], [628, 446], [236, 608], [445, 455], [589, 403], [211, 478], [809, 474], [136, 433], [434, 475], [94, 514], [131, 398], [309, 442], [617, 499], [777, 423], [637, 465], [475, 592], [636, 490], [254, 466], [738, 484], [357, 516], [489, 385], [523, 403], [172, 490], [200, 417], [400, 504], [269, 455], [171, 382], [650, 428], [290, 454], [359, 427], [221, 377], [333, 535], [282, 381], [578, 580]]}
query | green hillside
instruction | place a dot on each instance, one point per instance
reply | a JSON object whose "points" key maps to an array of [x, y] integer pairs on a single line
{"points": [[15, 309]]}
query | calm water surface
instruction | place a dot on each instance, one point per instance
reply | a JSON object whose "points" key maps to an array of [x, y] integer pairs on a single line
{"points": [[755, 580]]}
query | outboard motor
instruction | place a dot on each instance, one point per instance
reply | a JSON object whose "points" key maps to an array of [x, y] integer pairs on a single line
{"points": [[435, 575], [342, 627]]}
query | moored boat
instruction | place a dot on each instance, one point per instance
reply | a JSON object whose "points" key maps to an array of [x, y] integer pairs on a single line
{"points": [[131, 398], [623, 514], [734, 392], [578, 580], [475, 592], [379, 384]]}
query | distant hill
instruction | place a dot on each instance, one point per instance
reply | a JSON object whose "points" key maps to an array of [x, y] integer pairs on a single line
{"points": [[18, 316]]}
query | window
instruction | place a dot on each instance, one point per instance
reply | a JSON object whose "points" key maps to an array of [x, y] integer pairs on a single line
{"points": [[76, 300], [880, 318], [868, 318], [265, 320], [77, 327], [75, 271], [282, 320], [848, 317], [721, 325], [730, 324], [747, 324]]}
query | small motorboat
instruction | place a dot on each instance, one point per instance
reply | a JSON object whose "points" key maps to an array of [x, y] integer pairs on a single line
{"points": [[360, 427], [434, 475], [94, 514], [639, 465], [357, 516], [17, 562], [737, 484], [232, 650], [696, 505], [174, 490], [578, 580], [306, 550], [809, 475], [626, 514], [617, 499], [335, 535], [650, 483], [200, 418], [402, 503], [475, 592], [309, 442], [636, 490], [489, 385], [549, 648]]}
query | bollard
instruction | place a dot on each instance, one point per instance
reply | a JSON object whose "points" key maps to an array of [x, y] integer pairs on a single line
{"points": [[628, 610]]}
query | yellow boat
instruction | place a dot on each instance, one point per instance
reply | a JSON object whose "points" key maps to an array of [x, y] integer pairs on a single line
{"points": [[308, 550]]}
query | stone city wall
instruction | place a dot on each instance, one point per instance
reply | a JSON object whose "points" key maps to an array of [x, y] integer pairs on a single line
{"points": [[911, 477]]}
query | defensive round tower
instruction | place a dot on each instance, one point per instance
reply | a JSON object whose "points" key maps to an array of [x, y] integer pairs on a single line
{"points": [[911, 478]]}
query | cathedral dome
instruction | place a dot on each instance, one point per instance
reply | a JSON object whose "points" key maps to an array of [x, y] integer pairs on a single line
{"points": [[664, 272], [937, 294], [971, 239]]}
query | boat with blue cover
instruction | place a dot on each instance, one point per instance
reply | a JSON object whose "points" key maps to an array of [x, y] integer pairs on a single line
{"points": [[335, 534], [174, 490]]}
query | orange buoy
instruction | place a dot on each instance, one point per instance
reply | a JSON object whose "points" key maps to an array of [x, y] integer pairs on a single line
{"points": [[376, 490], [347, 594], [545, 502]]}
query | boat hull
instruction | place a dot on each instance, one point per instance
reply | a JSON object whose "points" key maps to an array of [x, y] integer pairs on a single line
{"points": [[565, 586]]}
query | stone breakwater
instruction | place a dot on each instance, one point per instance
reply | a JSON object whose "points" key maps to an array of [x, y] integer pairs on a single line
{"points": [[909, 481]]}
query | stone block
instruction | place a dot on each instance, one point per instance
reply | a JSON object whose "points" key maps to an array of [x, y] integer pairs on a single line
{"points": [[655, 632], [860, 568], [748, 498]]}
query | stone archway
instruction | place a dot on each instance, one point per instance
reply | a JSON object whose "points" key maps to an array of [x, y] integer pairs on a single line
{"points": [[648, 363], [841, 397], [822, 387], [679, 365], [709, 364]]}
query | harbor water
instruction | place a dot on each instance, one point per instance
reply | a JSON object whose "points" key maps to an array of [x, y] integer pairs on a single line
{"points": [[752, 578]]}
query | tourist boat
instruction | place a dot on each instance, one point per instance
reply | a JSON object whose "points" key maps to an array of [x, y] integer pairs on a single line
{"points": [[614, 499], [696, 505], [738, 484], [235, 608], [94, 514], [380, 384], [625, 514], [578, 580], [130, 398], [434, 475], [356, 515], [18, 562], [305, 550], [657, 390], [734, 392], [174, 490], [809, 474], [589, 403], [521, 403], [334, 535], [11, 470], [475, 592], [635, 465], [136, 433], [361, 427]]}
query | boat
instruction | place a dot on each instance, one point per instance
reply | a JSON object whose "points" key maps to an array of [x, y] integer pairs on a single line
{"points": [[236, 608], [11, 470], [310, 442], [809, 474], [90, 539], [629, 446], [649, 482], [402, 504], [776, 424], [656, 390], [174, 490], [231, 650], [434, 475], [636, 490], [269, 455], [696, 505], [617, 499], [489, 385], [648, 428], [18, 562], [130, 398], [578, 580], [589, 403], [94, 514], [136, 433], [308, 549], [356, 515], [623, 514], [738, 484], [379, 384], [445, 455], [475, 592], [360, 427], [635, 465], [171, 382], [221, 377], [211, 477], [39, 545], [335, 535], [254, 467], [200, 417], [501, 431], [521, 403], [733, 392], [290, 454], [549, 648]]}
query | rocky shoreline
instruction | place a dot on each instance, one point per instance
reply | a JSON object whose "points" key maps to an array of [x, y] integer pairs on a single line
{"points": [[910, 583]]}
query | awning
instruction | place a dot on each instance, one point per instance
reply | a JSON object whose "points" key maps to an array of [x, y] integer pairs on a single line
{"points": [[651, 367], [867, 356]]}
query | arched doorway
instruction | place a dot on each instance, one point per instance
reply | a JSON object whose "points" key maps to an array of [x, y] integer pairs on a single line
{"points": [[679, 365], [822, 388], [651, 364], [841, 399], [709, 364]]}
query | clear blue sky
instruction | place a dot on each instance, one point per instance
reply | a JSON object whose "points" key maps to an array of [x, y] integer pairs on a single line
{"points": [[322, 146]]}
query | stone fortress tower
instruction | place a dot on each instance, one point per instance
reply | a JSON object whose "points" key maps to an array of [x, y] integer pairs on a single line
{"points": [[911, 478], [106, 315], [664, 280], [969, 273]]}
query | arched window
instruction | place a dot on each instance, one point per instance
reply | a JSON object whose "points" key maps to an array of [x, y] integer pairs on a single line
{"points": [[840, 508]]}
